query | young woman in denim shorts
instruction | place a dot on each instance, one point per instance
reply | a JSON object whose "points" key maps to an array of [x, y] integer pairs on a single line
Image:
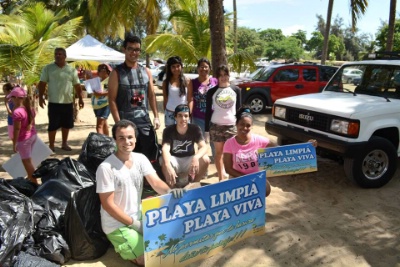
{"points": [[175, 89]]}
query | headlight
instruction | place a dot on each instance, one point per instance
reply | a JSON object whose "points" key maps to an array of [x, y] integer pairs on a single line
{"points": [[280, 112], [345, 127]]}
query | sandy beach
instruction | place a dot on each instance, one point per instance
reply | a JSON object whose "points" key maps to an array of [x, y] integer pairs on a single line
{"points": [[312, 219]]}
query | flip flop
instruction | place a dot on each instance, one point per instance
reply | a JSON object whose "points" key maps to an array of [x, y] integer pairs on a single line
{"points": [[66, 148]]}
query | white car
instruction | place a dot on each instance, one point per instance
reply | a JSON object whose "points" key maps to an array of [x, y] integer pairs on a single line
{"points": [[156, 71], [159, 81], [350, 74]]}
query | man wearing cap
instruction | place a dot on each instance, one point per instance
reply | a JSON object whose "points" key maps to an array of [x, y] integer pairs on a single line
{"points": [[61, 79], [180, 163]]}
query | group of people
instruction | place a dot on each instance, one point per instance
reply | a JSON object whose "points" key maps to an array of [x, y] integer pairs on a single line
{"points": [[197, 112]]}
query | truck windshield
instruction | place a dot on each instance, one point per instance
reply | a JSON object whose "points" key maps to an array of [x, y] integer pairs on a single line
{"points": [[377, 80], [264, 74]]}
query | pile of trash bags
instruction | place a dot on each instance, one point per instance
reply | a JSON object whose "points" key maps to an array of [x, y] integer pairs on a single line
{"points": [[47, 225]]}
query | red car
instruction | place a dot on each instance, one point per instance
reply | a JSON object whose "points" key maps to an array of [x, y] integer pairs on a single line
{"points": [[279, 81]]}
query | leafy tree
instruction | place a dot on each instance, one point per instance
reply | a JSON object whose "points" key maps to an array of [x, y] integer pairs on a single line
{"points": [[320, 24], [8, 5], [302, 36], [247, 40], [315, 43], [356, 44], [288, 48], [28, 37], [337, 27], [271, 35], [336, 47], [381, 36]]}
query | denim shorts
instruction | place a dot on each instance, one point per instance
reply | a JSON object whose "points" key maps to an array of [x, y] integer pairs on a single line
{"points": [[169, 118], [103, 112], [201, 123]]}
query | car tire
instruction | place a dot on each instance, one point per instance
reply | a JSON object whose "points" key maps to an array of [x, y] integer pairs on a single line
{"points": [[374, 166], [257, 103]]}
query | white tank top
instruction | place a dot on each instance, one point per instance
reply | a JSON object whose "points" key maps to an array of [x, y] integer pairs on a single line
{"points": [[174, 99]]}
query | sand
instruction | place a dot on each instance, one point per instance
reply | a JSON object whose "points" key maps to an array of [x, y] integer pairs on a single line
{"points": [[312, 219]]}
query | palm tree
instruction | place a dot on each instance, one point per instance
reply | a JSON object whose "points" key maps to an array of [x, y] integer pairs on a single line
{"points": [[392, 22], [28, 37], [113, 18], [234, 27], [357, 8], [172, 242], [217, 32], [190, 37]]}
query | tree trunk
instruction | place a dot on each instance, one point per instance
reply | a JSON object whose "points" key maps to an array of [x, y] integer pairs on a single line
{"points": [[392, 21], [234, 27], [217, 29], [326, 35]]}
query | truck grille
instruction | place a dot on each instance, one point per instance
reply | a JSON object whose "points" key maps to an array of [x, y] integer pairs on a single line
{"points": [[310, 119]]}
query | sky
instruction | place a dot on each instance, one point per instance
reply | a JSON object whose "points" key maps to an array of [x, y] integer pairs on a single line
{"points": [[293, 15]]}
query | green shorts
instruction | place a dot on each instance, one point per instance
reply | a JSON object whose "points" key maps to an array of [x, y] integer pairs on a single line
{"points": [[127, 242]]}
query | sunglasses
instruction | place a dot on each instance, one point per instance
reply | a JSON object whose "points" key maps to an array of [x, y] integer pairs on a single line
{"points": [[131, 49]]}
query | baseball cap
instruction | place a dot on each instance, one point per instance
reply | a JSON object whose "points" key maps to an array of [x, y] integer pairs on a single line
{"points": [[17, 92], [103, 67]]}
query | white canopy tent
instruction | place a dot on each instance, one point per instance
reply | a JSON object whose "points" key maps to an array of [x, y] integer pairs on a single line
{"points": [[91, 49]]}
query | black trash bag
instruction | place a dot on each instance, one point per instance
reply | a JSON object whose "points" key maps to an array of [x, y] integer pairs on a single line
{"points": [[83, 231], [23, 186], [75, 172], [28, 260], [16, 222], [47, 168], [53, 195], [48, 239], [67, 170], [95, 150]]}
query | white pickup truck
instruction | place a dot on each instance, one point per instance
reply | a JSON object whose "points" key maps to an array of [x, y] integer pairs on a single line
{"points": [[359, 124]]}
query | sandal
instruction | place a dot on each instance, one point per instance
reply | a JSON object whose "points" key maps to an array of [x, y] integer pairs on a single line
{"points": [[66, 148]]}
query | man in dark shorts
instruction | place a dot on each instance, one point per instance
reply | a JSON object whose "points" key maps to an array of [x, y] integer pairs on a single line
{"points": [[61, 80]]}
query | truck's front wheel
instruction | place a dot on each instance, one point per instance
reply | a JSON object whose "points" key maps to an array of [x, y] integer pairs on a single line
{"points": [[374, 166]]}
